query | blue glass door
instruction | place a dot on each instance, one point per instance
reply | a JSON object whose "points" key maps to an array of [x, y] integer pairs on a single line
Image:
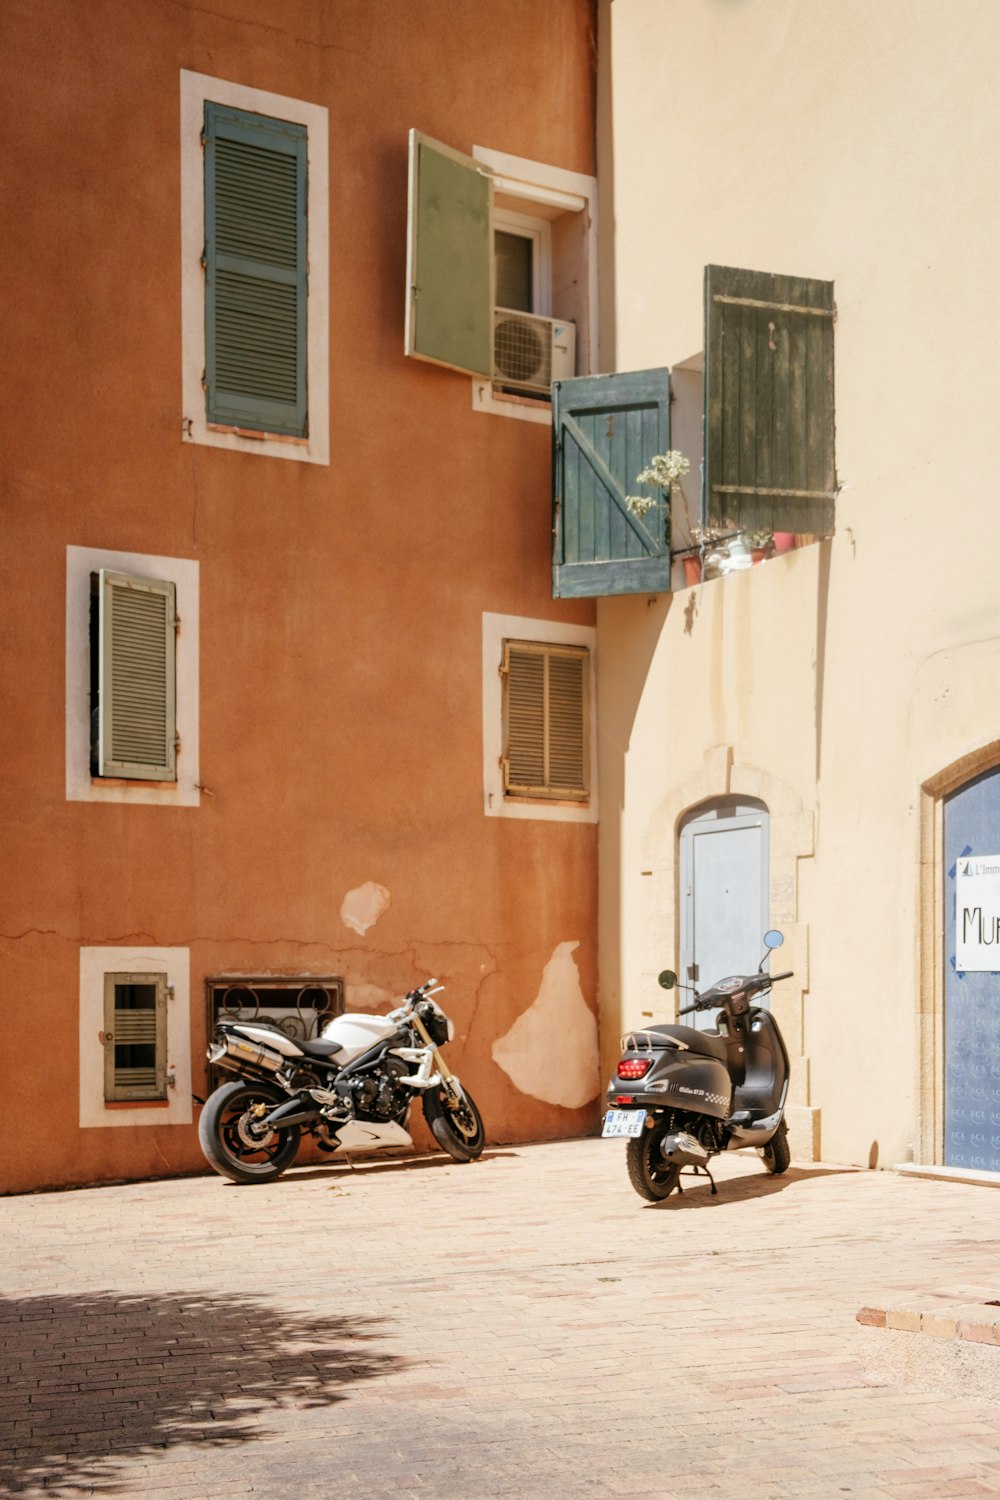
{"points": [[971, 995]]}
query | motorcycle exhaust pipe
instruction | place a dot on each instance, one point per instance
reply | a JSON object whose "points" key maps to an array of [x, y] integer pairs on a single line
{"points": [[683, 1150]]}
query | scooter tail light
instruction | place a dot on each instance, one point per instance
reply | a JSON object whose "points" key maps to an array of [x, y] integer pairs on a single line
{"points": [[634, 1067]]}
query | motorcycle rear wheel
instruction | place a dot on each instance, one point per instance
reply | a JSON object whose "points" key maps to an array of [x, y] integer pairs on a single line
{"points": [[653, 1178], [458, 1129], [225, 1132]]}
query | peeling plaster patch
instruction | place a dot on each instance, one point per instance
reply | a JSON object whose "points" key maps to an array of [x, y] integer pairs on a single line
{"points": [[558, 1024], [370, 998], [363, 906]]}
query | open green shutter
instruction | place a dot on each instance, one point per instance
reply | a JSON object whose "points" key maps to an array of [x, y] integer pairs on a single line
{"points": [[449, 283], [769, 414], [606, 429], [136, 685], [255, 271]]}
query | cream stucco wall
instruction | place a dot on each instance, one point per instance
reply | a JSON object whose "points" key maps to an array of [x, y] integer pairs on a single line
{"points": [[850, 140]]}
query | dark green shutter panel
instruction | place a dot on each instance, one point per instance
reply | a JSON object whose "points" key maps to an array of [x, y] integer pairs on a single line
{"points": [[606, 429], [449, 290], [255, 271], [769, 416], [546, 720], [136, 685]]}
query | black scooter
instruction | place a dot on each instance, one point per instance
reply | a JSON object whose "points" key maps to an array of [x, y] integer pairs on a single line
{"points": [[681, 1095]]}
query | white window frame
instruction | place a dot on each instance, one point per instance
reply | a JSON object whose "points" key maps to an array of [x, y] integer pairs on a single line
{"points": [[81, 785], [496, 804], [549, 191], [196, 88], [540, 234], [175, 965]]}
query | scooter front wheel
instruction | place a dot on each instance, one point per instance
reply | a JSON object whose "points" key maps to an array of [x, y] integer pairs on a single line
{"points": [[652, 1177], [776, 1155]]}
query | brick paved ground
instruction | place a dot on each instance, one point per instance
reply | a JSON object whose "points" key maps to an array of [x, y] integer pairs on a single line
{"points": [[524, 1327]]}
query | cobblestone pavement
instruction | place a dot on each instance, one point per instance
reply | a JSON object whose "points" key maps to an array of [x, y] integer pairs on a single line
{"points": [[524, 1326]]}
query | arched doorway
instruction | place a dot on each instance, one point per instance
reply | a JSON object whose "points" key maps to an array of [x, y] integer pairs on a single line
{"points": [[724, 889], [971, 884]]}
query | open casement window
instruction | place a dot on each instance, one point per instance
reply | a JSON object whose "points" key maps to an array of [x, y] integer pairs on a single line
{"points": [[769, 413], [133, 647], [255, 271], [489, 258], [545, 720], [606, 428], [135, 1036]]}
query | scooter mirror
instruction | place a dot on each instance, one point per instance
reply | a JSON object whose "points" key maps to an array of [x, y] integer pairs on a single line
{"points": [[667, 979], [773, 939]]}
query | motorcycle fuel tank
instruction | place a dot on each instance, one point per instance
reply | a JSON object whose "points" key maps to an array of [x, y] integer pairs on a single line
{"points": [[356, 1032], [677, 1081]]}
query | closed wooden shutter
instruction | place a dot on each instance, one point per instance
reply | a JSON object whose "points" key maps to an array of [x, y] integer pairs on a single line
{"points": [[255, 271], [137, 627], [606, 428], [769, 412], [546, 707], [450, 271], [135, 1036]]}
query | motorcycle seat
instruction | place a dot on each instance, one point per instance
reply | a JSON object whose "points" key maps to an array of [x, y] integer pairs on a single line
{"points": [[705, 1043], [321, 1048]]}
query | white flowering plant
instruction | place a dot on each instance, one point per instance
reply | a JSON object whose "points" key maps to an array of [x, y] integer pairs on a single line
{"points": [[663, 471]]}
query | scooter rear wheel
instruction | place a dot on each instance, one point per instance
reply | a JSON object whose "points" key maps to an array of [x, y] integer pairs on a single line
{"points": [[653, 1178]]}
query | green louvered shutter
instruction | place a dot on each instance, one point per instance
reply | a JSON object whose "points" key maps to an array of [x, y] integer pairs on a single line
{"points": [[137, 628], [135, 1036], [606, 428], [545, 728], [769, 414], [255, 272], [450, 271]]}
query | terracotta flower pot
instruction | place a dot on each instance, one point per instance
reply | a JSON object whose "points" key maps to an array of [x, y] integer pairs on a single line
{"points": [[784, 541]]}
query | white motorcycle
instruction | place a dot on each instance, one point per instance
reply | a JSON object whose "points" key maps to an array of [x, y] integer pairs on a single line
{"points": [[351, 1088]]}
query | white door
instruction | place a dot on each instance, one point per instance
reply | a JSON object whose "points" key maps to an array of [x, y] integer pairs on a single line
{"points": [[724, 857]]}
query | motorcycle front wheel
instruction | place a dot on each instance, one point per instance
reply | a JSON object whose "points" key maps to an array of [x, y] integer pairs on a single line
{"points": [[653, 1178], [231, 1141], [457, 1126]]}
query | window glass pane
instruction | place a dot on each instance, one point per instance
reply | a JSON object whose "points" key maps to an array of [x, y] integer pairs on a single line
{"points": [[514, 253]]}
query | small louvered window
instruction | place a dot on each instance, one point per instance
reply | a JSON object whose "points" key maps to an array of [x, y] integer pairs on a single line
{"points": [[255, 271], [545, 720], [135, 1036], [133, 646]]}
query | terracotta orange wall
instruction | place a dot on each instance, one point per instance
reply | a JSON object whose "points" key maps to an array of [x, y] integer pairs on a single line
{"points": [[341, 718]]}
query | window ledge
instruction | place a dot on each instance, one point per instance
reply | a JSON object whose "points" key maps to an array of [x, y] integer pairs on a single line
{"points": [[521, 801], [140, 781], [137, 1104], [255, 434]]}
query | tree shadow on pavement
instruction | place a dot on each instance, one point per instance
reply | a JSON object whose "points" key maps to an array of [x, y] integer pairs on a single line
{"points": [[698, 1193], [95, 1381]]}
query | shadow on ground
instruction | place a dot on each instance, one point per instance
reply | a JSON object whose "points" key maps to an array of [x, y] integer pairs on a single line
{"points": [[698, 1193], [342, 1168], [94, 1379]]}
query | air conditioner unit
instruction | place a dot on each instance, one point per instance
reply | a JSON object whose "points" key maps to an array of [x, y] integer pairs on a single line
{"points": [[529, 352]]}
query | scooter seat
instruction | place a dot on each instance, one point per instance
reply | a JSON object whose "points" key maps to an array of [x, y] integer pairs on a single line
{"points": [[688, 1038]]}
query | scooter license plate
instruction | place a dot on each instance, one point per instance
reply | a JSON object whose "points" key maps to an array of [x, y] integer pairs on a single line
{"points": [[623, 1122]]}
